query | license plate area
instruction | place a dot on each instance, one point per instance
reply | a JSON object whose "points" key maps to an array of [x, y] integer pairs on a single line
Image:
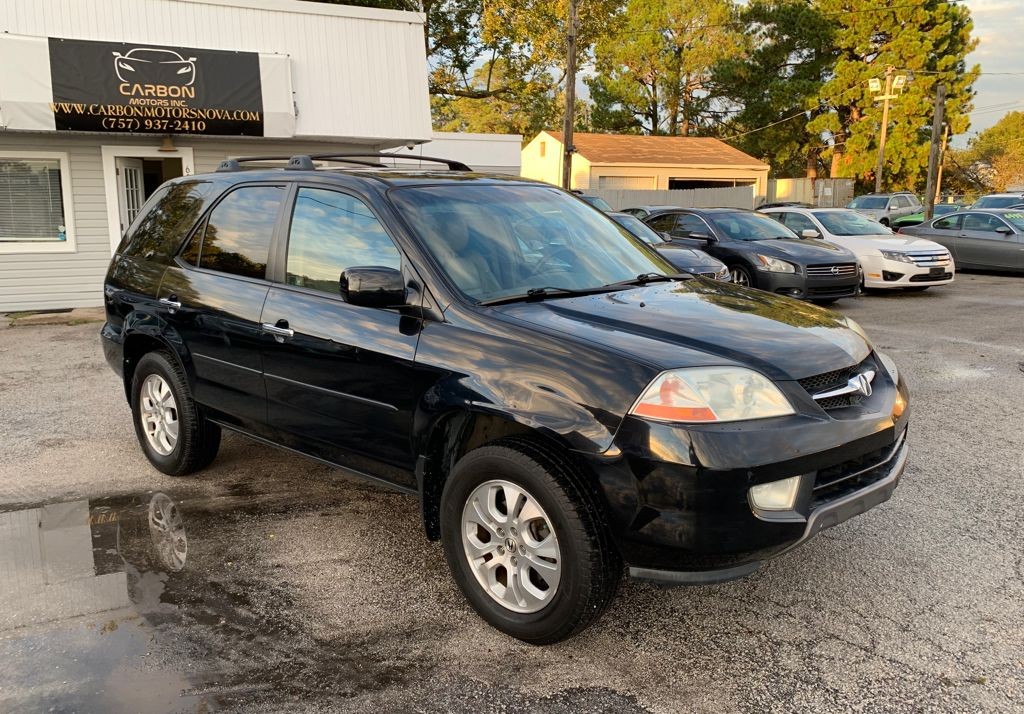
{"points": [[936, 271]]}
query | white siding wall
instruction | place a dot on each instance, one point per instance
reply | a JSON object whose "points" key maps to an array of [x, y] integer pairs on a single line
{"points": [[57, 280], [356, 72]]}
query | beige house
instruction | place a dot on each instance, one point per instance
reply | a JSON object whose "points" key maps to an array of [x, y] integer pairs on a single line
{"points": [[628, 161]]}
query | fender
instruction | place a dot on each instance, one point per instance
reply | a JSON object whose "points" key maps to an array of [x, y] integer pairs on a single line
{"points": [[146, 328]]}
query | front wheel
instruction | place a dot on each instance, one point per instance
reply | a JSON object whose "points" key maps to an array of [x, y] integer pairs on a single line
{"points": [[525, 543], [741, 275]]}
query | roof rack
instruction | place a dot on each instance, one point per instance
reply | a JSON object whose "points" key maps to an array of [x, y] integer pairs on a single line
{"points": [[450, 163], [305, 162]]}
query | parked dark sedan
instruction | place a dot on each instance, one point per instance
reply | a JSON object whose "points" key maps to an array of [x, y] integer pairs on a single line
{"points": [[557, 397], [763, 253], [688, 260], [982, 239]]}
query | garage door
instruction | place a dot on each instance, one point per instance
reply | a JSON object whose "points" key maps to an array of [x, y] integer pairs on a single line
{"points": [[644, 183]]}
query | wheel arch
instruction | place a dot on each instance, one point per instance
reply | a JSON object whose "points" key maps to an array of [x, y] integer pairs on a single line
{"points": [[142, 335], [454, 433]]}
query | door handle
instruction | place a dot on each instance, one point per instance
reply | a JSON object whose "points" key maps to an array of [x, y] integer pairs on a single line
{"points": [[171, 303], [280, 331]]}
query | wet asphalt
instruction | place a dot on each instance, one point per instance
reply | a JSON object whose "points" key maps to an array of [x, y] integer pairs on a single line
{"points": [[282, 585]]}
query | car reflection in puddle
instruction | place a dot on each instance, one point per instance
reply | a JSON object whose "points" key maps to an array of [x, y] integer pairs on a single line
{"points": [[138, 603]]}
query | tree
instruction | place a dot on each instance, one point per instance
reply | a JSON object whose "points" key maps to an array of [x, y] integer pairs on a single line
{"points": [[777, 83], [653, 64], [994, 159], [929, 41]]}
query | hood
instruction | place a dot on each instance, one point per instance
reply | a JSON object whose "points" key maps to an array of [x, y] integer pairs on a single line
{"points": [[801, 250], [901, 243], [702, 323]]}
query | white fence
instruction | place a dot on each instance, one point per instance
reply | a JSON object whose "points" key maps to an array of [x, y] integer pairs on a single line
{"points": [[726, 197]]}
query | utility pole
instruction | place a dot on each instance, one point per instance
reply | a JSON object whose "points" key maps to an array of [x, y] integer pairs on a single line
{"points": [[942, 161], [570, 100], [885, 126], [935, 153]]}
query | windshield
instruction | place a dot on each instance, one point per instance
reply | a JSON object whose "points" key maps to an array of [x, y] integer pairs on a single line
{"points": [[942, 209], [869, 202], [500, 240], [598, 202], [638, 228], [1016, 219], [749, 226], [996, 201], [850, 223]]}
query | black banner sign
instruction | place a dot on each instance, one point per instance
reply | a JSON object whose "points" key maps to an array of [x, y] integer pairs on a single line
{"points": [[122, 87]]}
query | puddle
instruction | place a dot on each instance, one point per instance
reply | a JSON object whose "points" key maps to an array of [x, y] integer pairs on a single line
{"points": [[161, 602]]}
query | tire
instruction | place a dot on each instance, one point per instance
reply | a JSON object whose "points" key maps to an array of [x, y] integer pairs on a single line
{"points": [[195, 439], [589, 566], [739, 273], [884, 222]]}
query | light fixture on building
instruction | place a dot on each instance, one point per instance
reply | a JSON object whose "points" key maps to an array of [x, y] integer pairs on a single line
{"points": [[167, 144]]}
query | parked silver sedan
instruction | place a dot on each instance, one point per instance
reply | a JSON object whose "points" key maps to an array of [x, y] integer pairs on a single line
{"points": [[986, 239]]}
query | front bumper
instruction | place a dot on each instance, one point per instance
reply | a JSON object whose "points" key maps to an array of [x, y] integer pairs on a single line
{"points": [[891, 274], [803, 287], [677, 498]]}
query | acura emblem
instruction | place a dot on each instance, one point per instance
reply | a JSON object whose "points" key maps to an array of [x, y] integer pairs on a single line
{"points": [[862, 382]]}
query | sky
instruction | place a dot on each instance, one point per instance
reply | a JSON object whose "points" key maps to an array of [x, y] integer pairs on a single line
{"points": [[999, 27]]}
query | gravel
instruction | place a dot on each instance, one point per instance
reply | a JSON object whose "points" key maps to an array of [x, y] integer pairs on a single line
{"points": [[307, 591]]}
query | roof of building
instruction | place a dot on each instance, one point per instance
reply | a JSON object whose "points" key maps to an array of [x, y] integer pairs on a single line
{"points": [[666, 150]]}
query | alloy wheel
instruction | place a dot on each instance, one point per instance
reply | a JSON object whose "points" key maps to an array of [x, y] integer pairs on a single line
{"points": [[158, 414], [739, 277], [168, 533], [511, 546]]}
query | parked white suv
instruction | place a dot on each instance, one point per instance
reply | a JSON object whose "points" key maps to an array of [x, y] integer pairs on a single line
{"points": [[883, 207], [887, 261]]}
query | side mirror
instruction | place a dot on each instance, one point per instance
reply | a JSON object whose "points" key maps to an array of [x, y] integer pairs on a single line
{"points": [[1005, 230], [809, 233], [373, 286], [666, 236]]}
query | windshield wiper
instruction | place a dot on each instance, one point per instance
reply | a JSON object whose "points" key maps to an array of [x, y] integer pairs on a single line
{"points": [[546, 292], [644, 278]]}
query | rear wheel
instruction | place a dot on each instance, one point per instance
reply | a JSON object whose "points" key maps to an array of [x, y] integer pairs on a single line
{"points": [[525, 542], [741, 275], [174, 435]]}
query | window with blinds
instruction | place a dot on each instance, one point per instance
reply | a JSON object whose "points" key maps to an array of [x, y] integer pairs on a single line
{"points": [[31, 203]]}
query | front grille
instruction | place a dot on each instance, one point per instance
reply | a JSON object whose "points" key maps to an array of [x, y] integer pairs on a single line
{"points": [[929, 278], [832, 270], [834, 379], [930, 258], [839, 480]]}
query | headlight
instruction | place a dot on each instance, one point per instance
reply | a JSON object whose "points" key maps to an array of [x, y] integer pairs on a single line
{"points": [[711, 394], [898, 257], [723, 274], [890, 366], [774, 265]]}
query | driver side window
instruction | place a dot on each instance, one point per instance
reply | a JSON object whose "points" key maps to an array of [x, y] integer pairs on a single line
{"points": [[688, 223], [330, 233], [798, 222]]}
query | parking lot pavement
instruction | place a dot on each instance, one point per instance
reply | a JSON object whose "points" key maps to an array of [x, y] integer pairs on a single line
{"points": [[304, 590]]}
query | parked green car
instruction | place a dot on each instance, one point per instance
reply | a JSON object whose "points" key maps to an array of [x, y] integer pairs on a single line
{"points": [[916, 219]]}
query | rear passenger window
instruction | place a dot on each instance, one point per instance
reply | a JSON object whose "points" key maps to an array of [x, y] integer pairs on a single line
{"points": [[949, 223], [330, 233], [238, 233], [159, 231]]}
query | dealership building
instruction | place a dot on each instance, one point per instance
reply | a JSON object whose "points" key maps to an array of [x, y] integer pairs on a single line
{"points": [[100, 102]]}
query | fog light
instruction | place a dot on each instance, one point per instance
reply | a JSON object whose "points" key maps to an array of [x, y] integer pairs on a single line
{"points": [[776, 495]]}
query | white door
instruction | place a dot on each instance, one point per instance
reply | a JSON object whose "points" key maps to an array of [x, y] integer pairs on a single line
{"points": [[130, 192]]}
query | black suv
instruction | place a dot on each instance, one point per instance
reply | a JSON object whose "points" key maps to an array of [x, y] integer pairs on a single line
{"points": [[762, 255], [558, 398]]}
